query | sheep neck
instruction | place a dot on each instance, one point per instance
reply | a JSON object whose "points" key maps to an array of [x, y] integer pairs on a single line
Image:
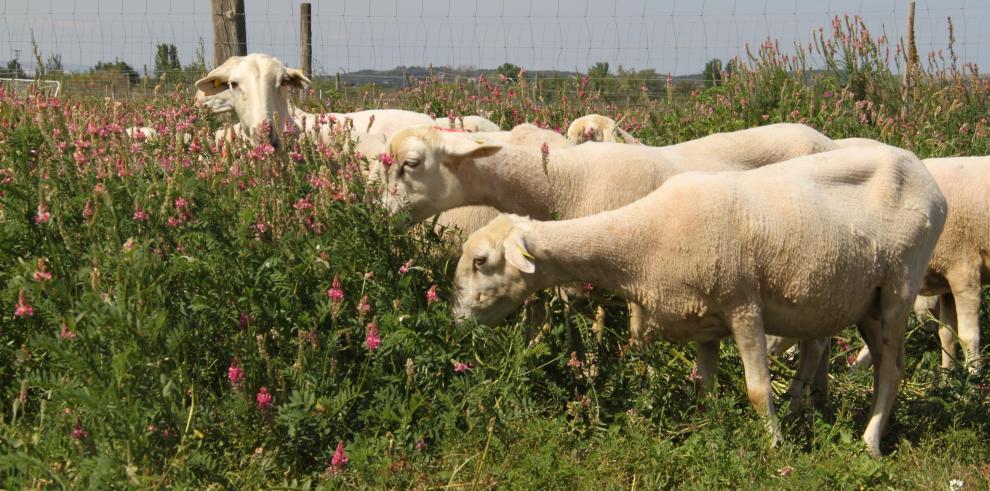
{"points": [[513, 181], [586, 250]]}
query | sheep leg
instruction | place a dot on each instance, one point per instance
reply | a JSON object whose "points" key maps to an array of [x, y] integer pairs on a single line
{"points": [[863, 359], [885, 337], [966, 291], [947, 331], [819, 389], [747, 329], [808, 366], [778, 345], [707, 365]]}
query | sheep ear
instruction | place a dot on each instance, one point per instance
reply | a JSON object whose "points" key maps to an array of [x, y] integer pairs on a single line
{"points": [[296, 78], [517, 255], [213, 83], [463, 146]]}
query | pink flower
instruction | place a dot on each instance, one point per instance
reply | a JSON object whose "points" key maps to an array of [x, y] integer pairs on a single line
{"points": [[386, 159], [363, 307], [545, 150], [694, 376], [66, 333], [335, 293], [420, 445], [405, 267], [264, 399], [574, 362], [87, 210], [43, 215], [139, 214], [181, 203], [339, 458], [244, 321], [236, 375], [42, 274], [431, 295], [24, 309], [79, 433], [372, 340], [461, 367]]}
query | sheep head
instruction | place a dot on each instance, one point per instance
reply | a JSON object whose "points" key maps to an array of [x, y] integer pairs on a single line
{"points": [[598, 128], [495, 273], [257, 89], [218, 103], [418, 172]]}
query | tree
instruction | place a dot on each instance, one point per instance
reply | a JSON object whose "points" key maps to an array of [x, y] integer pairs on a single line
{"points": [[166, 59], [712, 73], [13, 70], [120, 67], [54, 63], [508, 70], [598, 75]]}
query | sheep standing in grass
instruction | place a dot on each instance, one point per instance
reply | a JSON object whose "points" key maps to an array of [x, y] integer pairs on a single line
{"points": [[597, 128], [800, 249], [435, 171], [257, 86], [960, 264]]}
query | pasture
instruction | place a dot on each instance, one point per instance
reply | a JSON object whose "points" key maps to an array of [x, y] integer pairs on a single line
{"points": [[191, 315]]}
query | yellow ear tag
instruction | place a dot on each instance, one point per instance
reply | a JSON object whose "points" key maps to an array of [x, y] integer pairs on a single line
{"points": [[479, 141], [524, 252]]}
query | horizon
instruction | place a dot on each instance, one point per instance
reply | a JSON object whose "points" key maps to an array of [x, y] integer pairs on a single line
{"points": [[675, 37]]}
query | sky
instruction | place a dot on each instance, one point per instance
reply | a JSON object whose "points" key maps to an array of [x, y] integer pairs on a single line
{"points": [[670, 36]]}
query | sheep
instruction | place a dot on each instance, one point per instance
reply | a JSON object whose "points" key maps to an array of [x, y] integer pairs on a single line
{"points": [[435, 171], [802, 249], [595, 127], [469, 123], [959, 266], [145, 133], [256, 87]]}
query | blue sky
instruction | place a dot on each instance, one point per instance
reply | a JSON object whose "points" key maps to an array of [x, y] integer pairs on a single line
{"points": [[675, 36]]}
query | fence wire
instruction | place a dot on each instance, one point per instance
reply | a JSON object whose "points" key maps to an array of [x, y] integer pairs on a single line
{"points": [[369, 39]]}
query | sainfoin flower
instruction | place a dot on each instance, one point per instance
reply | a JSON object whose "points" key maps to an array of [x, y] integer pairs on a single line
{"points": [[43, 215], [335, 293], [372, 339], [79, 433], [42, 274], [460, 367], [339, 459], [66, 333], [405, 267], [386, 159], [363, 306], [236, 375], [264, 399], [431, 295], [23, 309]]}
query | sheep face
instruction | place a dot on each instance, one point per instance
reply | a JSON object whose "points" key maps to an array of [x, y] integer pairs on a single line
{"points": [[257, 88], [420, 175], [218, 103], [495, 273], [592, 127]]}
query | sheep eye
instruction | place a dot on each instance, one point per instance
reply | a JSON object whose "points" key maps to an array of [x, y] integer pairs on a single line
{"points": [[479, 261], [232, 84], [411, 163]]}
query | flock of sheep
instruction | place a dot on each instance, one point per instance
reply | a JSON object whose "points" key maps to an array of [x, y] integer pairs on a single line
{"points": [[772, 235]]}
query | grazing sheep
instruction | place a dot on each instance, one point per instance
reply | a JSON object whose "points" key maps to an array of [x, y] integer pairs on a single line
{"points": [[469, 123], [141, 133], [802, 249], [598, 128], [435, 171]]}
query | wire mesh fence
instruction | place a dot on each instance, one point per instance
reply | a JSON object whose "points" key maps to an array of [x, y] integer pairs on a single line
{"points": [[119, 47]]}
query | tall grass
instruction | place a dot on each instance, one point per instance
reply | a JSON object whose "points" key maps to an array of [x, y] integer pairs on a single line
{"points": [[182, 315]]}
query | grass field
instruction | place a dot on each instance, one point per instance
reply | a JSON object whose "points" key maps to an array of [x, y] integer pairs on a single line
{"points": [[176, 315]]}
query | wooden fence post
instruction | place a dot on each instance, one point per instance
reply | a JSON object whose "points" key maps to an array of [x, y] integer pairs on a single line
{"points": [[229, 30], [306, 38]]}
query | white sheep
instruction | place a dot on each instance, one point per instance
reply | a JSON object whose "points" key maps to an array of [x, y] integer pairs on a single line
{"points": [[598, 128], [435, 171], [256, 87], [802, 249], [959, 267], [141, 133], [469, 123]]}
